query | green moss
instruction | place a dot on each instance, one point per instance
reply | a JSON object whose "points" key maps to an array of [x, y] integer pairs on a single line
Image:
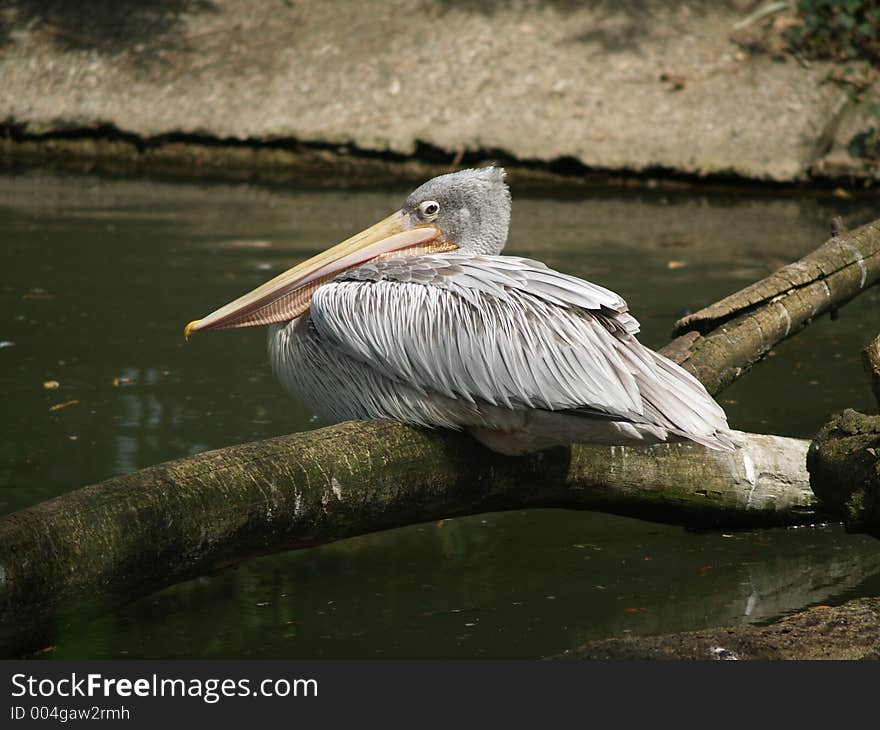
{"points": [[844, 466]]}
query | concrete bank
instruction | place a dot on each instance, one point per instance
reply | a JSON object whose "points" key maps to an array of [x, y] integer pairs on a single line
{"points": [[232, 85]]}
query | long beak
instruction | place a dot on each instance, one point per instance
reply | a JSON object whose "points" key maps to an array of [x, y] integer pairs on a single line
{"points": [[288, 295]]}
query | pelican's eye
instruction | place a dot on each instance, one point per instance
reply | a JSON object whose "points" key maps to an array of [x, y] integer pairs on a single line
{"points": [[429, 209]]}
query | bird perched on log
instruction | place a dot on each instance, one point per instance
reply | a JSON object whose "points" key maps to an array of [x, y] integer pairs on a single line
{"points": [[420, 319]]}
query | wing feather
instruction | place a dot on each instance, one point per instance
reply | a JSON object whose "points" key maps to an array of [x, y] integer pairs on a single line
{"points": [[509, 332]]}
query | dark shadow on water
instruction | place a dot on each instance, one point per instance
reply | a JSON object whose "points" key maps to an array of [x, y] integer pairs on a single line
{"points": [[106, 26]]}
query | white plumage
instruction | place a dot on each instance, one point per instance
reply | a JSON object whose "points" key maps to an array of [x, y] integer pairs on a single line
{"points": [[420, 319], [485, 342]]}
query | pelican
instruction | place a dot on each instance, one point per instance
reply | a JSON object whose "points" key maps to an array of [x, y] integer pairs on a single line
{"points": [[421, 320]]}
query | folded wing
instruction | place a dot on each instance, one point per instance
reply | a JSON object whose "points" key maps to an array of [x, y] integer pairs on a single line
{"points": [[509, 332]]}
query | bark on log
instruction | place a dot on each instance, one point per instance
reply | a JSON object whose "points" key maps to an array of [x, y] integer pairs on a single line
{"points": [[722, 341], [108, 543], [844, 460], [844, 466]]}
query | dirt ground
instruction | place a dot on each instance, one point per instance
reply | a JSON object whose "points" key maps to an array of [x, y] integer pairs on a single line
{"points": [[850, 631], [614, 86]]}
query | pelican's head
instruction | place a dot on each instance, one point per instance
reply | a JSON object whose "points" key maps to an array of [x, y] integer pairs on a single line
{"points": [[467, 211], [471, 208]]}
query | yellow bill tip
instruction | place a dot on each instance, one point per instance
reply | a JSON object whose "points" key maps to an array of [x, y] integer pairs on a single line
{"points": [[187, 331]]}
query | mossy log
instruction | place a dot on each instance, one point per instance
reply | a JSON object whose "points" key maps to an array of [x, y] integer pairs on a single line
{"points": [[871, 360], [844, 466], [722, 341], [111, 542]]}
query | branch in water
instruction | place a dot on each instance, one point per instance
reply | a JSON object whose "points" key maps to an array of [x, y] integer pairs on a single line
{"points": [[106, 544], [722, 341]]}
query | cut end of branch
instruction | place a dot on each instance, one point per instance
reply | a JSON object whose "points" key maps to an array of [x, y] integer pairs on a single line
{"points": [[679, 349]]}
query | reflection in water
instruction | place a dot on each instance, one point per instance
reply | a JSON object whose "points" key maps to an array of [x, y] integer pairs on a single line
{"points": [[519, 584], [145, 420], [98, 278]]}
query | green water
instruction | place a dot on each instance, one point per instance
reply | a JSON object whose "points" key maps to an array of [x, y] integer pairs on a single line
{"points": [[98, 277]]}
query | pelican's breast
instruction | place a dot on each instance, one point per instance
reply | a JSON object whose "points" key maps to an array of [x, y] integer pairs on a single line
{"points": [[338, 387]]}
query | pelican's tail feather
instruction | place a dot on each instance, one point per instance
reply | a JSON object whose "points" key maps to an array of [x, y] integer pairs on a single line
{"points": [[675, 400]]}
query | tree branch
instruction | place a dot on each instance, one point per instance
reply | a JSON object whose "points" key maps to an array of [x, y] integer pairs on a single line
{"points": [[108, 543], [721, 342]]}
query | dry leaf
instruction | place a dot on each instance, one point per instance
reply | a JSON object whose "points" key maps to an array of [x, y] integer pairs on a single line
{"points": [[66, 404]]}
